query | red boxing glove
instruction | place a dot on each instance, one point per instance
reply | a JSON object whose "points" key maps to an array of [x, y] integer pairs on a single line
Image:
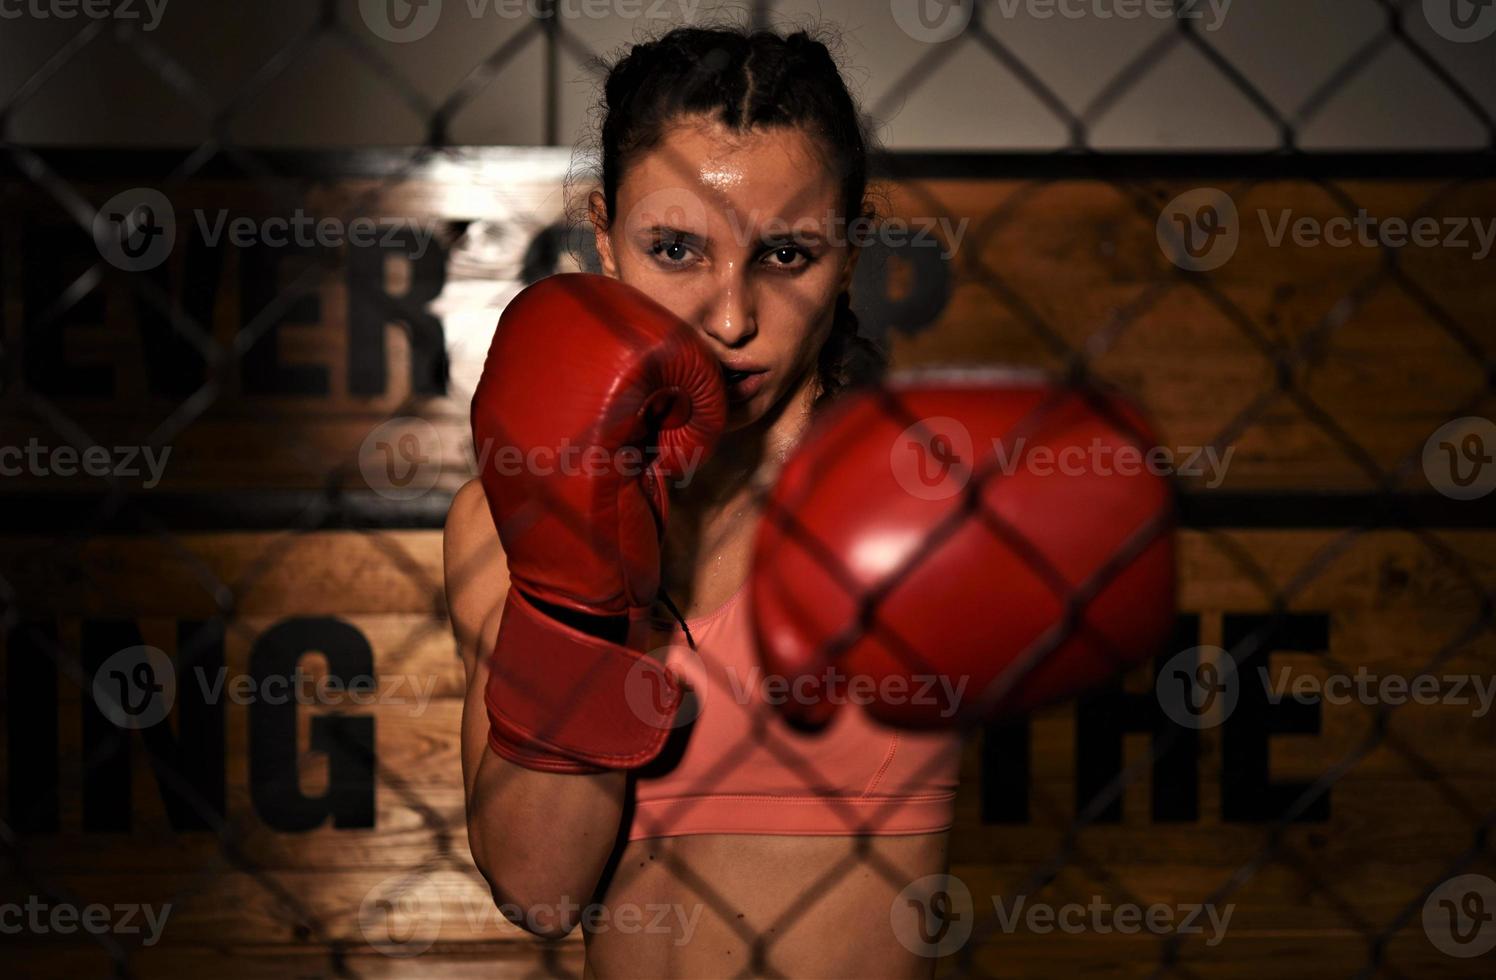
{"points": [[963, 547], [592, 397]]}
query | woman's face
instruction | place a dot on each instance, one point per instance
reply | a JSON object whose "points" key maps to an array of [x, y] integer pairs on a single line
{"points": [[738, 234]]}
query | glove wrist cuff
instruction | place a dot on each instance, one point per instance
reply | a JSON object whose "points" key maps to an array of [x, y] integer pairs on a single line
{"points": [[561, 700]]}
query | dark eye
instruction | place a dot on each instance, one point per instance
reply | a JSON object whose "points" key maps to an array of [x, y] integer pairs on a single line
{"points": [[674, 252], [788, 257]]}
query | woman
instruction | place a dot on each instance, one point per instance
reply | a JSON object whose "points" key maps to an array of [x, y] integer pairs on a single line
{"points": [[732, 166]]}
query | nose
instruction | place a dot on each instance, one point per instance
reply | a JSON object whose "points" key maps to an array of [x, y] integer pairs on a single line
{"points": [[730, 318]]}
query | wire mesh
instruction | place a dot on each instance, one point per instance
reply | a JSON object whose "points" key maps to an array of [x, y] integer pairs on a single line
{"points": [[1076, 372]]}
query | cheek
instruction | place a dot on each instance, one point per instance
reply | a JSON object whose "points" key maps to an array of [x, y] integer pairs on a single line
{"points": [[801, 322], [676, 293]]}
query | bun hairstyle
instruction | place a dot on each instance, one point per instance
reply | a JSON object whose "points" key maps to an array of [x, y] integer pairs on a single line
{"points": [[746, 79]]}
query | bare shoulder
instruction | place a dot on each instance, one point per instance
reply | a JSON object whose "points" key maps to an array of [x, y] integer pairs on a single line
{"points": [[477, 577], [469, 507]]}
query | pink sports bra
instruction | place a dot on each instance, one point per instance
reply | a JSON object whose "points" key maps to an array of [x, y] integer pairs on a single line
{"points": [[738, 768]]}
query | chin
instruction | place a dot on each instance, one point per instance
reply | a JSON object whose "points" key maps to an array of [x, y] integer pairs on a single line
{"points": [[742, 415]]}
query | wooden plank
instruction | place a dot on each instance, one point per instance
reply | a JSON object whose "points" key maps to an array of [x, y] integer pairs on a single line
{"points": [[1065, 258]]}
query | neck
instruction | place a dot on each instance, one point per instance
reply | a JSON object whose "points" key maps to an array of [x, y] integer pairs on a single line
{"points": [[713, 518], [748, 460]]}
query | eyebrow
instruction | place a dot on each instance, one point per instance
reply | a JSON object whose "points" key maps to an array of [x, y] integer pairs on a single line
{"points": [[670, 232], [795, 236]]}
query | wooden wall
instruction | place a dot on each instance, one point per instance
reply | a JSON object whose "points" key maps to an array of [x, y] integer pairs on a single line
{"points": [[1320, 367]]}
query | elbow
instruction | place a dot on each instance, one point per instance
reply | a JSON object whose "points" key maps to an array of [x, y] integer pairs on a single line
{"points": [[540, 913], [540, 907]]}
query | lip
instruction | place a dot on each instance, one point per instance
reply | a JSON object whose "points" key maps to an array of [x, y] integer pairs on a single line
{"points": [[743, 380]]}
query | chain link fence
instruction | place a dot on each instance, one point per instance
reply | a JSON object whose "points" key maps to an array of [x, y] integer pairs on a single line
{"points": [[1192, 229]]}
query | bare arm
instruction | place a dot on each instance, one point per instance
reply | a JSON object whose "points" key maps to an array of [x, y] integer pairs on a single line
{"points": [[541, 840]]}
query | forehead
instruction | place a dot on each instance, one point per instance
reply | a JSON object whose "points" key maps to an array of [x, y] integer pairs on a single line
{"points": [[766, 173]]}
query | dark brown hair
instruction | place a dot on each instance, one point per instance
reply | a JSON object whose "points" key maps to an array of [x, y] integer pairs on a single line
{"points": [[747, 79]]}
